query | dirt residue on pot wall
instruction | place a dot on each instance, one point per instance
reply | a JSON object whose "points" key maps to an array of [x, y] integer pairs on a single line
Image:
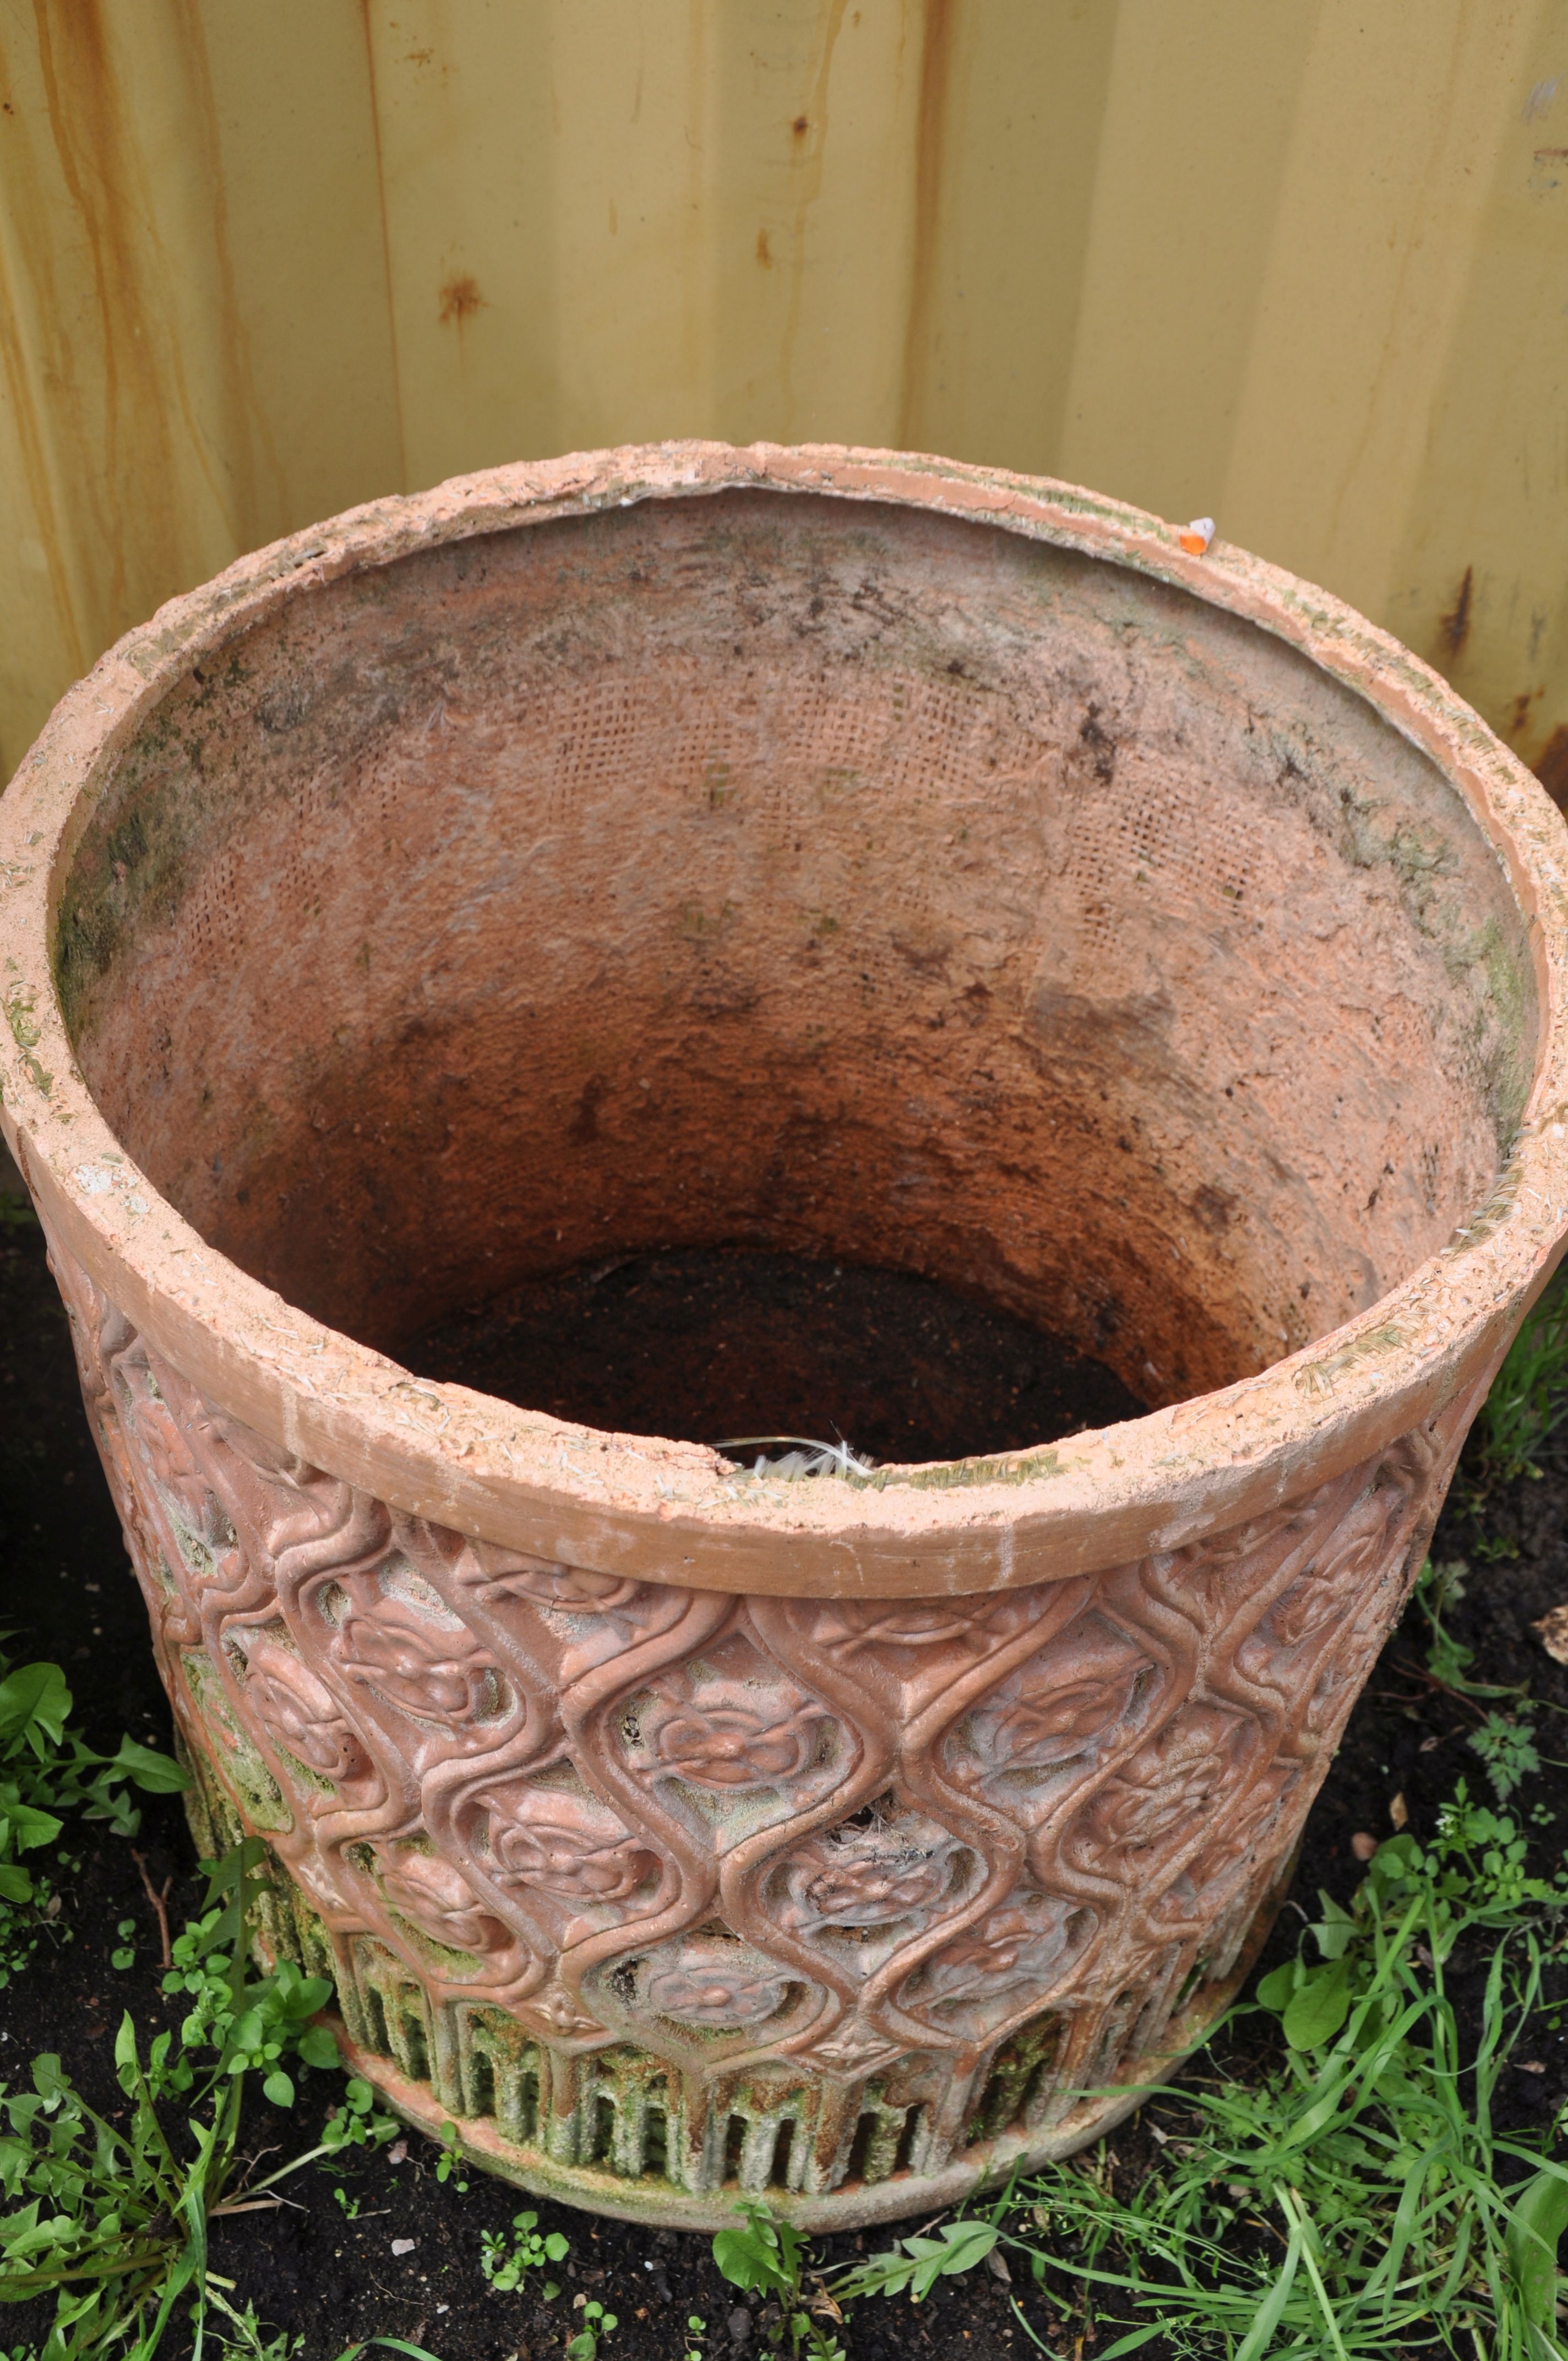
{"points": [[757, 871]]}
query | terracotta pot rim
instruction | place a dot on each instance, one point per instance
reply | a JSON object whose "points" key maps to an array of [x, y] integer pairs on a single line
{"points": [[638, 1506]]}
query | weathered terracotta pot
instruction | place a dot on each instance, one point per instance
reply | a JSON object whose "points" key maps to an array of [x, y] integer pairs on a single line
{"points": [[824, 850]]}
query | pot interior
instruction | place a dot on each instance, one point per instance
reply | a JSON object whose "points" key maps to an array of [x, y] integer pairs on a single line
{"points": [[818, 876]]}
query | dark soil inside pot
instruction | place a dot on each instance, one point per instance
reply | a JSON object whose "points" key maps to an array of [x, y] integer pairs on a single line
{"points": [[327, 2273], [706, 1344]]}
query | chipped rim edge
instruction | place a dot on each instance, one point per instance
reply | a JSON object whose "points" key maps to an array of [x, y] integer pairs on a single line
{"points": [[641, 1507]]}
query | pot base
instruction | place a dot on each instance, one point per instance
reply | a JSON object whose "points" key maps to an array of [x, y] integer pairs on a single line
{"points": [[663, 2205], [878, 2187]]}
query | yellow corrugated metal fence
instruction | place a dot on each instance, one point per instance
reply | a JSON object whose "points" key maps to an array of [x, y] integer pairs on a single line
{"points": [[1301, 264]]}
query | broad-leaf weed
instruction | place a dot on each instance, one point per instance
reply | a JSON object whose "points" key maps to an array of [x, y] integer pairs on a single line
{"points": [[766, 2255], [595, 2325], [46, 1772], [505, 2262]]}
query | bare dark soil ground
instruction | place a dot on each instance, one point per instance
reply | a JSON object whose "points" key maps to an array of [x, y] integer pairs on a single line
{"points": [[330, 2279]]}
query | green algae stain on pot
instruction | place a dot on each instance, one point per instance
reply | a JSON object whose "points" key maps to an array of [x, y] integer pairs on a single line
{"points": [[21, 1019], [131, 868], [960, 1474], [1510, 999], [265, 1807]]}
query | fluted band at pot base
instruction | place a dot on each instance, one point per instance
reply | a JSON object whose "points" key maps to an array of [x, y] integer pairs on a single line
{"points": [[652, 2197]]}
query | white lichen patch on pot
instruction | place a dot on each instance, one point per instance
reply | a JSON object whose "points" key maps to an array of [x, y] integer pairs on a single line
{"points": [[830, 852]]}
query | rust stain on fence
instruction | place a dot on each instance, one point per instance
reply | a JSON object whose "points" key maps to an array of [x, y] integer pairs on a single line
{"points": [[807, 153], [1455, 625], [1552, 769], [460, 299]]}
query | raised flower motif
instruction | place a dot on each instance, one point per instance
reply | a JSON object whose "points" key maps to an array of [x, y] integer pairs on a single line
{"points": [[567, 1589], [194, 1521], [734, 1737], [1018, 1943], [437, 1898], [1059, 1706], [1171, 1786], [431, 1670], [1050, 1725], [846, 1626], [302, 1714], [714, 1983], [564, 1844], [853, 1876], [171, 1462], [1224, 1860], [1323, 1592]]}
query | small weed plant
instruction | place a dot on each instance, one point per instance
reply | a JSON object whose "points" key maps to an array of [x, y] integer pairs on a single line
{"points": [[1448, 1662], [597, 2323], [1506, 1744], [1504, 1736], [113, 2216], [765, 2255], [913, 2265], [449, 2163], [506, 2262], [47, 1772]]}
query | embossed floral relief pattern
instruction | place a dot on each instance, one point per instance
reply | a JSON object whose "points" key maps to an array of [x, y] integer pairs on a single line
{"points": [[568, 1845], [853, 1837]]}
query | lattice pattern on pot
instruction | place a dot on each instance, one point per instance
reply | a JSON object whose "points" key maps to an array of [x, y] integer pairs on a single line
{"points": [[636, 1865]]}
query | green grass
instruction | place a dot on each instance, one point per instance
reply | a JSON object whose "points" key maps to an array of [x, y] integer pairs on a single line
{"points": [[111, 2214], [1529, 1399], [1355, 2197], [1356, 2200]]}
